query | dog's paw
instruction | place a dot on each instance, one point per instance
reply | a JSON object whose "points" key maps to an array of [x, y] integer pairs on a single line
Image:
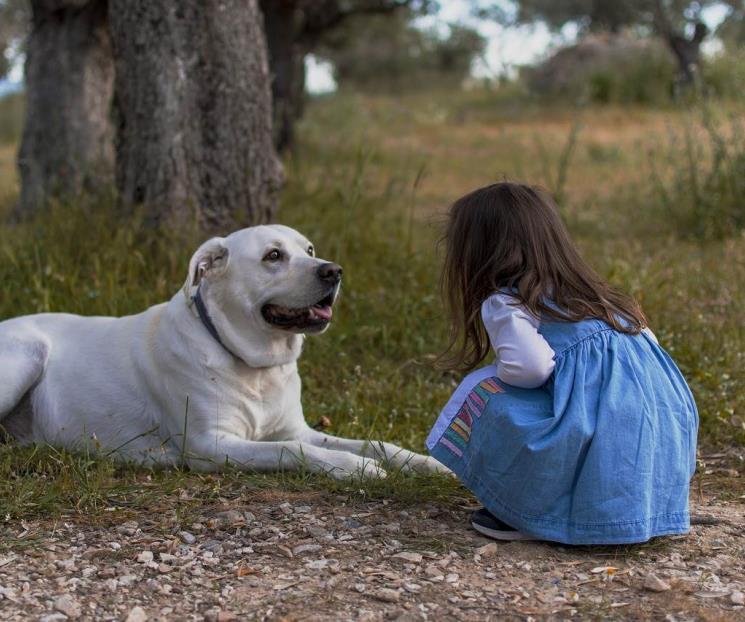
{"points": [[424, 465], [356, 467]]}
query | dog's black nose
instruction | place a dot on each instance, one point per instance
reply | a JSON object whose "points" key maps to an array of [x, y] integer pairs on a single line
{"points": [[330, 273]]}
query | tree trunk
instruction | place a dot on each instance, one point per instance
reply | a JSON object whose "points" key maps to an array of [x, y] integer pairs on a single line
{"points": [[687, 53], [67, 138], [194, 111], [287, 66]]}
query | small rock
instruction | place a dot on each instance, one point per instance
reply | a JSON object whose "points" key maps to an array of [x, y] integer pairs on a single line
{"points": [[487, 550], [654, 584], [407, 556], [316, 531], [302, 509], [414, 588], [186, 537], [433, 572], [387, 595], [285, 551], [53, 617], [68, 605], [218, 615], [286, 508], [249, 517], [167, 557], [306, 548], [737, 598], [230, 517], [136, 614], [214, 546], [317, 564], [145, 557]]}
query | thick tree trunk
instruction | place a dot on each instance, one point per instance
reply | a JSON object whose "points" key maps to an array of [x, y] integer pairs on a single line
{"points": [[67, 139], [282, 20], [194, 111]]}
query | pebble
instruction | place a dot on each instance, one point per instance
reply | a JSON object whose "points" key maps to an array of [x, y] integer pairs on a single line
{"points": [[306, 548], [316, 531], [53, 617], [412, 558], [433, 572], [487, 550], [286, 508], [654, 584], [68, 605], [230, 517], [387, 595], [145, 557], [737, 598], [136, 614], [186, 537], [219, 615]]}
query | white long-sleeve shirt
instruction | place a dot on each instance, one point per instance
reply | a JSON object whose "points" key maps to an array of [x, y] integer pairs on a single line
{"points": [[524, 358]]}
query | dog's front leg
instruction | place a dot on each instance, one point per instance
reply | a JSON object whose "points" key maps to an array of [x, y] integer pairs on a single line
{"points": [[212, 454], [394, 455]]}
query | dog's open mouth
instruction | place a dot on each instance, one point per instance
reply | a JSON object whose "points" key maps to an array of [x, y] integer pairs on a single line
{"points": [[314, 317]]}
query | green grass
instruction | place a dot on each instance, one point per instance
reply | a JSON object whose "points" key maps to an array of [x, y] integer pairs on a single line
{"points": [[369, 185]]}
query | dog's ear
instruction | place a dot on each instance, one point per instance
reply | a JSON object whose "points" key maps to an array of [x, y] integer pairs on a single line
{"points": [[210, 259]]}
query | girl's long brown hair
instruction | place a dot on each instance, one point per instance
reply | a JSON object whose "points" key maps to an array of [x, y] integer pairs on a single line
{"points": [[510, 235]]}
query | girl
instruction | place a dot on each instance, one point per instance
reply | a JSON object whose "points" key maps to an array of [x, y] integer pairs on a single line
{"points": [[583, 431]]}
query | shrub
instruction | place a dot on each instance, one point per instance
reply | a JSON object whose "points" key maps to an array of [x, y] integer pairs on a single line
{"points": [[705, 192]]}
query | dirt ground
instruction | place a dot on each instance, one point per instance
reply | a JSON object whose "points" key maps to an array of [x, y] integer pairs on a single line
{"points": [[314, 556]]}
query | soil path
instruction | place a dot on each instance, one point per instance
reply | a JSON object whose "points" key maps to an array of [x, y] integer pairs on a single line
{"points": [[315, 557]]}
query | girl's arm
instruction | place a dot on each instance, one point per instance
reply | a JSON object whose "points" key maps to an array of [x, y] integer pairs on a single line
{"points": [[524, 358]]}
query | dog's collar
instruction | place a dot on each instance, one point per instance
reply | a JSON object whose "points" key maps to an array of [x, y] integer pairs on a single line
{"points": [[204, 316]]}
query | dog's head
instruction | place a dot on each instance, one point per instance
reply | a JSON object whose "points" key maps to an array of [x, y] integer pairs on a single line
{"points": [[263, 287]]}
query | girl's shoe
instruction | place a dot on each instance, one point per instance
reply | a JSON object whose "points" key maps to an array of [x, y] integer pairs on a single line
{"points": [[489, 525]]}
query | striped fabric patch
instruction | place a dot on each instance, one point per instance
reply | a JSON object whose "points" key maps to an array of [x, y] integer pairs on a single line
{"points": [[458, 434]]}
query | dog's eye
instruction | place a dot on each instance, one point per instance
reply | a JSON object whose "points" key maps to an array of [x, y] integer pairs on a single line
{"points": [[274, 255], [311, 251]]}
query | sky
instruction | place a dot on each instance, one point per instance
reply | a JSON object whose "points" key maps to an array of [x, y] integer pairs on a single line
{"points": [[507, 48]]}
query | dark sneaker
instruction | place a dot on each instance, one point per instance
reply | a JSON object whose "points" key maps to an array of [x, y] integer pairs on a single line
{"points": [[489, 525]]}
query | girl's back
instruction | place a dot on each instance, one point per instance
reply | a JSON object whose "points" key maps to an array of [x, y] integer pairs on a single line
{"points": [[598, 450]]}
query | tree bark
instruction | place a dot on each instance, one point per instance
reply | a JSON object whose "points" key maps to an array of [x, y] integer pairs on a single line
{"points": [[282, 20], [67, 138], [687, 52], [193, 102]]}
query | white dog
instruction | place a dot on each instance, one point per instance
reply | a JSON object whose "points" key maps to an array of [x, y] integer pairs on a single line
{"points": [[206, 379]]}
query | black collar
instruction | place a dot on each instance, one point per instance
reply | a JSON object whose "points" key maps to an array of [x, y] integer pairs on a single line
{"points": [[207, 320]]}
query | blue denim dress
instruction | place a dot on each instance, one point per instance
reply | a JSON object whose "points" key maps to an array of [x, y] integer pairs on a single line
{"points": [[603, 453]]}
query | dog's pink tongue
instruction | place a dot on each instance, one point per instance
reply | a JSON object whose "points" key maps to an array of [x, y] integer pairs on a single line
{"points": [[324, 313]]}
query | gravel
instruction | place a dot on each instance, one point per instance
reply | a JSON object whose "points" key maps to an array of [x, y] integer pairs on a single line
{"points": [[317, 556]]}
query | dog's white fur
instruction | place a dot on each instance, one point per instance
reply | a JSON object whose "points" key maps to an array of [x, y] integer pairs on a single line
{"points": [[157, 387]]}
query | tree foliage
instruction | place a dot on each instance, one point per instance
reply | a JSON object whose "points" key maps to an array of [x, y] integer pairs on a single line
{"points": [[391, 52]]}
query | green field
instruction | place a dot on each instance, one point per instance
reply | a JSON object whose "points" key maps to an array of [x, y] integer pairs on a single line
{"points": [[369, 183]]}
